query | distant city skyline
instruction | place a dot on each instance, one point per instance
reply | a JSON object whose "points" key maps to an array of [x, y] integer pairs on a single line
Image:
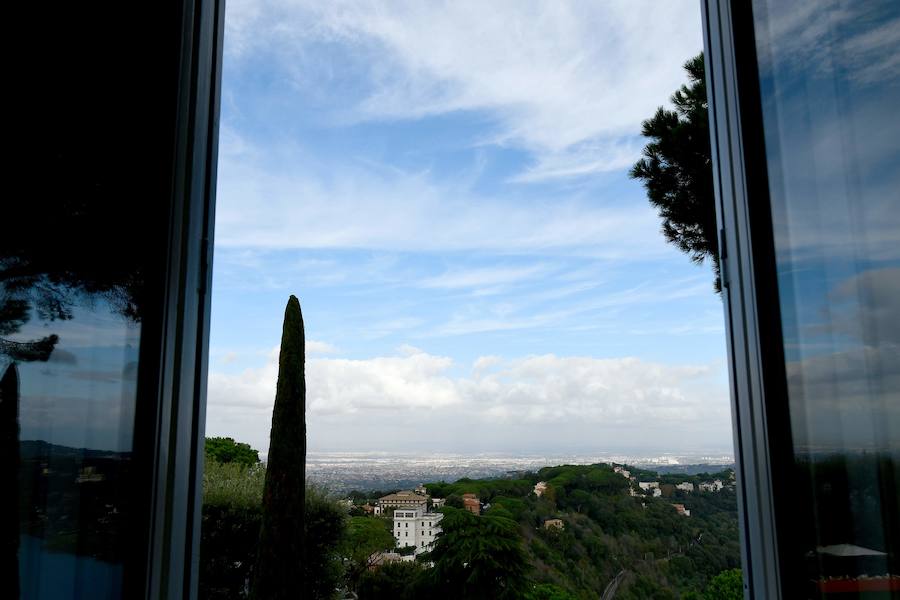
{"points": [[444, 187], [379, 470]]}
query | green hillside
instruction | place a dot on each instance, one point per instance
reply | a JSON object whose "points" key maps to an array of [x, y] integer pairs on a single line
{"points": [[659, 553], [612, 537]]}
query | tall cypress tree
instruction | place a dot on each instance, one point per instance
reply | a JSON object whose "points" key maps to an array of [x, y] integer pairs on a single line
{"points": [[281, 537], [9, 460]]}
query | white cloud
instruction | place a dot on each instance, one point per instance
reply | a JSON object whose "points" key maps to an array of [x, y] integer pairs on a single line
{"points": [[569, 82], [583, 159], [847, 399], [362, 402], [527, 311], [831, 36], [408, 350], [384, 383], [342, 207], [485, 362], [484, 277]]}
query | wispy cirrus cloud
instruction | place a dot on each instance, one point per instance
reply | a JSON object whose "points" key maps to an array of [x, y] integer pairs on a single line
{"points": [[855, 40], [484, 276], [358, 206], [568, 82]]}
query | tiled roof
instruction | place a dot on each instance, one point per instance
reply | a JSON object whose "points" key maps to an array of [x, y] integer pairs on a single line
{"points": [[404, 497]]}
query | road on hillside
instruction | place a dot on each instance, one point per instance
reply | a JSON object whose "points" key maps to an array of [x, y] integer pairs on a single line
{"points": [[610, 592]]}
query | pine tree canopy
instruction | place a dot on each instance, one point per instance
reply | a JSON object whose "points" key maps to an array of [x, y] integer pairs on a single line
{"points": [[676, 170]]}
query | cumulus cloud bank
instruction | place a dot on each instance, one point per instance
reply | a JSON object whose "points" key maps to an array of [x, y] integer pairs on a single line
{"points": [[367, 404]]}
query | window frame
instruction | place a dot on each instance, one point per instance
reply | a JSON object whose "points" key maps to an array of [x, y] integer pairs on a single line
{"points": [[758, 378], [171, 424]]}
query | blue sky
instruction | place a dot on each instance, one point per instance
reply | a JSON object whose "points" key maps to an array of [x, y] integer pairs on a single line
{"points": [[444, 186]]}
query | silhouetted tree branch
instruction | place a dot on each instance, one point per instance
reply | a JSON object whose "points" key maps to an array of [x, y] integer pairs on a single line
{"points": [[676, 170]]}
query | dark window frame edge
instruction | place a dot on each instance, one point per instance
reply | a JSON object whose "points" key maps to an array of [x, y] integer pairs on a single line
{"points": [[762, 435], [174, 520]]}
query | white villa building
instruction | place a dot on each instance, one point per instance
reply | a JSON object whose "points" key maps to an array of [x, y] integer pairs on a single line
{"points": [[403, 499], [416, 528], [652, 486], [712, 486], [622, 471], [686, 486]]}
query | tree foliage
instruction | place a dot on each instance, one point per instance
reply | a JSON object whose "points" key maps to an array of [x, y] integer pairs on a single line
{"points": [[324, 528], [232, 515], [676, 169], [226, 450], [479, 557], [727, 585], [607, 531], [454, 501], [366, 536], [282, 531], [395, 581], [548, 591], [76, 246], [233, 484], [228, 545]]}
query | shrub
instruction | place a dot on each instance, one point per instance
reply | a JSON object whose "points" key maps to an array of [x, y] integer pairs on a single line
{"points": [[324, 528], [230, 529], [232, 509], [228, 545], [233, 484], [395, 581]]}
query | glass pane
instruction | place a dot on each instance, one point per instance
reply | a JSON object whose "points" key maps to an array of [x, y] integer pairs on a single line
{"points": [[80, 238], [70, 325], [493, 314], [830, 83], [83, 243]]}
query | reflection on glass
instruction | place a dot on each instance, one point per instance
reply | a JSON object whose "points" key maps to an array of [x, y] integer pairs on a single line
{"points": [[830, 82], [70, 316]]}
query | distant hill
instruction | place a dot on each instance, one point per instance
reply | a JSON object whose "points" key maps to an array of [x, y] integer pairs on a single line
{"points": [[35, 449], [691, 469]]}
